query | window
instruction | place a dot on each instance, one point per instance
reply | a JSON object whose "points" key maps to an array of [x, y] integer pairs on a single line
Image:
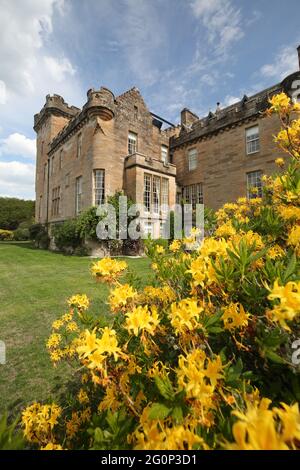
{"points": [[79, 145], [193, 194], [147, 192], [99, 192], [254, 184], [165, 192], [164, 154], [132, 143], [148, 228], [192, 156], [156, 193], [60, 159], [135, 113], [55, 201], [252, 140], [78, 195]]}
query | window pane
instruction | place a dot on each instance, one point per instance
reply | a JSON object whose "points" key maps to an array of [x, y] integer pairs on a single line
{"points": [[147, 192], [254, 184], [99, 187], [164, 154], [132, 143], [252, 139], [165, 192], [78, 194], [192, 157], [156, 194]]}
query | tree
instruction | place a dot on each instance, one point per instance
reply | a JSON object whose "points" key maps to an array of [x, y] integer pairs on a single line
{"points": [[14, 211]]}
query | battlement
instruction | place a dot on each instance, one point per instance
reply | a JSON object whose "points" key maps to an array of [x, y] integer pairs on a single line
{"points": [[56, 105]]}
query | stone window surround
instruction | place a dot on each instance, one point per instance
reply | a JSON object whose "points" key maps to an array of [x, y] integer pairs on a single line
{"points": [[192, 157], [253, 180], [149, 200], [252, 139]]}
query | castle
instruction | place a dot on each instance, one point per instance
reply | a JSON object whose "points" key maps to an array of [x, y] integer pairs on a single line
{"points": [[116, 143]]}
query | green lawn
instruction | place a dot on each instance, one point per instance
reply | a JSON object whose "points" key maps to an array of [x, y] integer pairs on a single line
{"points": [[34, 286]]}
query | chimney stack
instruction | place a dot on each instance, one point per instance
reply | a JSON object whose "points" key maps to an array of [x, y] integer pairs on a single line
{"points": [[298, 49]]}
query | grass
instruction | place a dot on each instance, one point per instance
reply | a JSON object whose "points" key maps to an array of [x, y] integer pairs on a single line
{"points": [[34, 286]]}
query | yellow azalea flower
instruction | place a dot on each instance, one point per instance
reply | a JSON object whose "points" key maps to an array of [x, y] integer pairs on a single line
{"points": [[110, 400], [214, 370], [79, 301], [294, 236], [154, 266], [159, 436], [67, 317], [82, 397], [258, 427], [175, 245], [225, 230], [52, 446], [290, 418], [280, 102], [142, 318], [57, 324], [72, 326], [289, 212], [289, 303], [120, 296], [108, 270], [39, 420], [160, 249], [54, 340], [96, 349], [279, 162], [234, 316], [162, 295], [275, 252], [184, 315]]}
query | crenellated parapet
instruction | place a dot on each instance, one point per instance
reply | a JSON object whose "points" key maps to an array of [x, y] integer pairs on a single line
{"points": [[101, 102], [55, 105]]}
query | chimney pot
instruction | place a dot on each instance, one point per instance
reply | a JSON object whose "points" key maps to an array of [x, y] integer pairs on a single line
{"points": [[298, 49]]}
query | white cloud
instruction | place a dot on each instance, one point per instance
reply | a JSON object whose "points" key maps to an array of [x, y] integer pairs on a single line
{"points": [[3, 95], [59, 68], [18, 145], [222, 21], [30, 67], [285, 62], [17, 179], [229, 100]]}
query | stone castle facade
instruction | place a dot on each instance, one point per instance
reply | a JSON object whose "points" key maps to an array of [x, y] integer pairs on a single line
{"points": [[116, 143]]}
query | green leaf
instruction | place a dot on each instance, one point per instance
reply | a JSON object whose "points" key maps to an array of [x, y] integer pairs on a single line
{"points": [[159, 411], [274, 357], [177, 414], [165, 387]]}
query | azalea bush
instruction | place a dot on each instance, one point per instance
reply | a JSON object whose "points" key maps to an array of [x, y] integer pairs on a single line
{"points": [[201, 358]]}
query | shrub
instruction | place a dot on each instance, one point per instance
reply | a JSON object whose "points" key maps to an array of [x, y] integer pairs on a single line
{"points": [[66, 235], [202, 356], [39, 234], [6, 235], [21, 234]]}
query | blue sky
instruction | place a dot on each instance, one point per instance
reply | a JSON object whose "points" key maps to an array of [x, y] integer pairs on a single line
{"points": [[179, 53]]}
